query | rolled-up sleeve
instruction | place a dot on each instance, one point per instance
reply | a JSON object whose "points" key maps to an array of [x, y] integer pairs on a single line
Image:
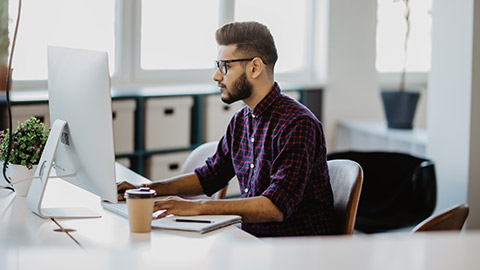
{"points": [[292, 167], [217, 170]]}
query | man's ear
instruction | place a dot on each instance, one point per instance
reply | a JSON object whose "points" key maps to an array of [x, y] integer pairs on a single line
{"points": [[257, 67]]}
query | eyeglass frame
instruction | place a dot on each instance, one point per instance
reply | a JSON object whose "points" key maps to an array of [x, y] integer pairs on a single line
{"points": [[221, 64]]}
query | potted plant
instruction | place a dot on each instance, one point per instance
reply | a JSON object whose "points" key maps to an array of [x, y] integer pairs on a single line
{"points": [[28, 142], [4, 42], [400, 105]]}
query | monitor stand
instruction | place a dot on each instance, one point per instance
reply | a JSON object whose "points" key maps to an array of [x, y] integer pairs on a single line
{"points": [[39, 184]]}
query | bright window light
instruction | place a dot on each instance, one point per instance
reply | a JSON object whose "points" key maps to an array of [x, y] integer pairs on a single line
{"points": [[391, 29], [178, 34], [86, 24], [288, 24]]}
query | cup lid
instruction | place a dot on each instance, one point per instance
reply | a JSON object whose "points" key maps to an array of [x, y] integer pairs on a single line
{"points": [[142, 193]]}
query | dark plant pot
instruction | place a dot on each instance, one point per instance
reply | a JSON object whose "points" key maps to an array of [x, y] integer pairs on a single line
{"points": [[400, 108]]}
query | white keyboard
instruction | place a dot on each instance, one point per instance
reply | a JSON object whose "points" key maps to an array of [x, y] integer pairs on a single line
{"points": [[116, 208]]}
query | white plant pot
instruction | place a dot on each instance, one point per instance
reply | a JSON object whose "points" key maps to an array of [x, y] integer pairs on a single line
{"points": [[17, 172]]}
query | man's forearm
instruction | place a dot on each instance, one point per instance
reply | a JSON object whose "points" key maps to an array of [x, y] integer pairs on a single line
{"points": [[256, 209], [186, 184]]}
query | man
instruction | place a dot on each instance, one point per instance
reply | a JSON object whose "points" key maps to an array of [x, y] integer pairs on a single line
{"points": [[274, 145]]}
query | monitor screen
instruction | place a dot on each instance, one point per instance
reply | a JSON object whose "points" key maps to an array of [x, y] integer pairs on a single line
{"points": [[79, 97]]}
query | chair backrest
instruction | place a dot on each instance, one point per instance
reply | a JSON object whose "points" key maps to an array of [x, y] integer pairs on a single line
{"points": [[196, 159], [346, 179], [398, 190], [451, 219]]}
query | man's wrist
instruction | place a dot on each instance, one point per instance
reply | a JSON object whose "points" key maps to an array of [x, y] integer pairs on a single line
{"points": [[202, 207]]}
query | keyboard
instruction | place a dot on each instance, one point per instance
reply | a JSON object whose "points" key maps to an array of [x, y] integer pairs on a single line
{"points": [[116, 208]]}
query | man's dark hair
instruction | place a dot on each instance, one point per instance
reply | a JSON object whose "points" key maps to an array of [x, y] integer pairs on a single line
{"points": [[252, 39]]}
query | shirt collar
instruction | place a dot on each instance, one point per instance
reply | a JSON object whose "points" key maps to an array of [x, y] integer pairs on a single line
{"points": [[268, 100]]}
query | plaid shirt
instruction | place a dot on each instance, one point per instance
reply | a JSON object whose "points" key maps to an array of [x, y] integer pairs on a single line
{"points": [[277, 151]]}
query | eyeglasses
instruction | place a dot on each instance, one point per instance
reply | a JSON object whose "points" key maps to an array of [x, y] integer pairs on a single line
{"points": [[222, 64]]}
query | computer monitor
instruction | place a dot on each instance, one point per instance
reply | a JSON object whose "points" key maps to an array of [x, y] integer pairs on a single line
{"points": [[81, 136]]}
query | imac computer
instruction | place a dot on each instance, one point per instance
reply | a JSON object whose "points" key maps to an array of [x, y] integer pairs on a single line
{"points": [[80, 145]]}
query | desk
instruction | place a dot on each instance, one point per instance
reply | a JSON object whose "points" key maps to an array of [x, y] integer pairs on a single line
{"points": [[386, 251], [19, 227], [30, 242]]}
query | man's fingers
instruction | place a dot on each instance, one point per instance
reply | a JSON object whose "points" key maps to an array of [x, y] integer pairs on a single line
{"points": [[121, 188], [159, 214]]}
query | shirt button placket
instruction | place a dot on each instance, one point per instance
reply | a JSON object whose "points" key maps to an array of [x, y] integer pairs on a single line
{"points": [[252, 165]]}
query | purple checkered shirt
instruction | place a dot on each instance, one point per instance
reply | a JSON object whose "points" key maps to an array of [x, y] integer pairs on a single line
{"points": [[277, 151]]}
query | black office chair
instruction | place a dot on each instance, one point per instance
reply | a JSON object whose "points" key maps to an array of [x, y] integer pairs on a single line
{"points": [[399, 190]]}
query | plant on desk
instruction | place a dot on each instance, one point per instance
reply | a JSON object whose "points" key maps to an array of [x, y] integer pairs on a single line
{"points": [[28, 142]]}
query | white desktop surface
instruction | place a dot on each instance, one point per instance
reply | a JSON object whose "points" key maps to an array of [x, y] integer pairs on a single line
{"points": [[21, 227], [30, 242], [387, 251]]}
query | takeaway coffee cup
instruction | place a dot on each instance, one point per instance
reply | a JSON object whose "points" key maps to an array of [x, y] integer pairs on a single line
{"points": [[140, 208]]}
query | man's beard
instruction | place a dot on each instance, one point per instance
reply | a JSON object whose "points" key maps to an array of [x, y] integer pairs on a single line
{"points": [[241, 89]]}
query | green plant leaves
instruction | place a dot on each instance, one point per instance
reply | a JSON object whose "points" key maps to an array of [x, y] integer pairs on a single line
{"points": [[28, 142]]}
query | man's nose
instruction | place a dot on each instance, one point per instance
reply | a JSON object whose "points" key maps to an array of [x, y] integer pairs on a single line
{"points": [[217, 76]]}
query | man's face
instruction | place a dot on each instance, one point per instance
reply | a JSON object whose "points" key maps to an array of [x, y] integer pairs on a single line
{"points": [[233, 85]]}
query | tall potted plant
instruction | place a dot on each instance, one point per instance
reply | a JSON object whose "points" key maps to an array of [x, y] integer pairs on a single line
{"points": [[28, 142], [400, 106], [4, 42]]}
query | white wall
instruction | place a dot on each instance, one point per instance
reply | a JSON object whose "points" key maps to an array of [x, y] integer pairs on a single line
{"points": [[352, 89], [474, 170], [453, 98]]}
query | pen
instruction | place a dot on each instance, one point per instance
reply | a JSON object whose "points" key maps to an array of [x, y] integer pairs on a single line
{"points": [[192, 220]]}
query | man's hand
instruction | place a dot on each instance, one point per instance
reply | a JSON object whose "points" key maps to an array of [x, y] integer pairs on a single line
{"points": [[122, 187], [178, 207]]}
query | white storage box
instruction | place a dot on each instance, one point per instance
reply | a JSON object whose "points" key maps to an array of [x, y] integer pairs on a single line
{"points": [[217, 116], [293, 94], [124, 125], [124, 161], [164, 166], [23, 112], [167, 122]]}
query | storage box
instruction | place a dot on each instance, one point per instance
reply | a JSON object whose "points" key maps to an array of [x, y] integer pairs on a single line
{"points": [[124, 161], [217, 116], [23, 112], [123, 112], [168, 122], [164, 166], [293, 94]]}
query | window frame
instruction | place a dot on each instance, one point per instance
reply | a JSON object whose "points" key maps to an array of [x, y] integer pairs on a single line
{"points": [[127, 53], [389, 79], [128, 59]]}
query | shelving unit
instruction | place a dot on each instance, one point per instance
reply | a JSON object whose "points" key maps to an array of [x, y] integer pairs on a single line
{"points": [[131, 128]]}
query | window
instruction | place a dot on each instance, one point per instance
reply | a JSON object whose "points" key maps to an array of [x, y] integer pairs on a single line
{"points": [[175, 35], [391, 36], [85, 24], [290, 34], [163, 41]]}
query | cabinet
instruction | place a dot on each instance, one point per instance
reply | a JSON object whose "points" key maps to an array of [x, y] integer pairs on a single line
{"points": [[155, 128], [375, 136]]}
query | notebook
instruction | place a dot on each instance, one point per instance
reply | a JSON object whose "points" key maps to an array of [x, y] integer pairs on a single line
{"points": [[199, 224]]}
